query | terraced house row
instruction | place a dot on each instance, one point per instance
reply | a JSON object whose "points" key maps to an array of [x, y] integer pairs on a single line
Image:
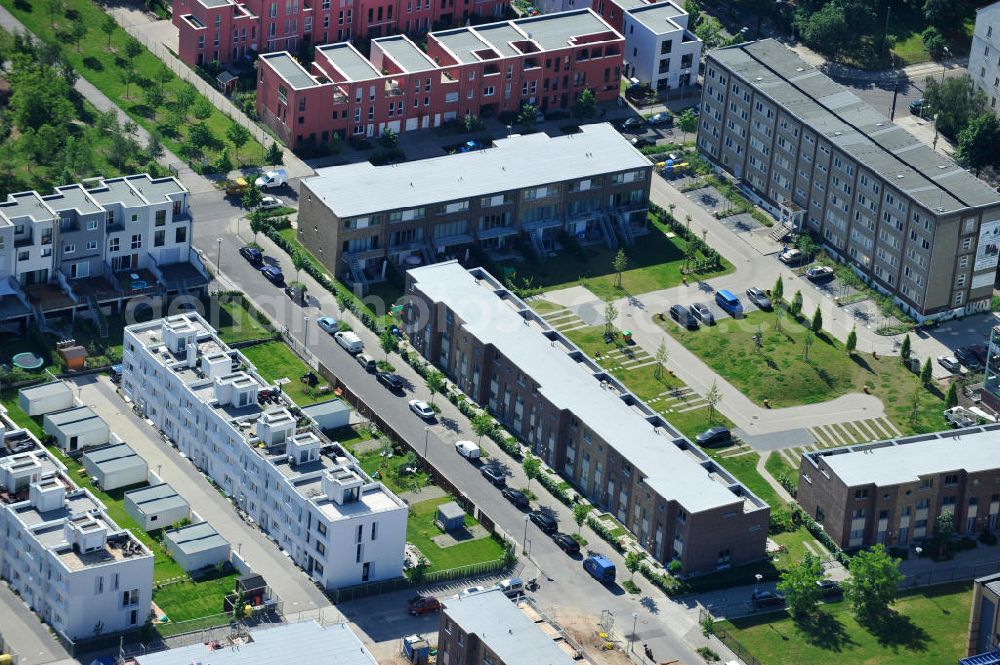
{"points": [[308, 494], [226, 31], [583, 422], [484, 70]]}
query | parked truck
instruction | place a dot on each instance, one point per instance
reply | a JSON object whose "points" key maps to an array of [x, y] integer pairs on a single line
{"points": [[600, 568]]}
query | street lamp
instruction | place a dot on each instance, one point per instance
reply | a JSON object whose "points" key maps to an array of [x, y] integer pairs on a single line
{"points": [[919, 551], [631, 638], [944, 68], [427, 434], [305, 334], [524, 540], [757, 577], [218, 261]]}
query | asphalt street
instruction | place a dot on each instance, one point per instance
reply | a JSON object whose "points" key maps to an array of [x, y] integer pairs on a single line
{"points": [[24, 634], [563, 583]]}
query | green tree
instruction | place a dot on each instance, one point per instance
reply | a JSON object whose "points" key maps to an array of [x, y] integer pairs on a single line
{"points": [[257, 224], [951, 399], [299, 261], [709, 30], [817, 321], [222, 163], [527, 116], [238, 135], [585, 105], [852, 341], [944, 529], [77, 31], [55, 8], [200, 136], [687, 122], [152, 94], [133, 49], [184, 99], [483, 425], [874, 583], [904, 349], [619, 263], [108, 27], [388, 342], [580, 511], [712, 398], [434, 382], [389, 139], [943, 14], [632, 561], [807, 343], [40, 96], [252, 196], [661, 357], [274, 155], [926, 374], [532, 468], [979, 142], [778, 291], [202, 109], [127, 78], [805, 244], [954, 103], [934, 41], [798, 583], [610, 314], [795, 307], [826, 30]]}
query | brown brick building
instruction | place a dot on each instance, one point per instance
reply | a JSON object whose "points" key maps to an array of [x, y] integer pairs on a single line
{"points": [[582, 421], [892, 492]]}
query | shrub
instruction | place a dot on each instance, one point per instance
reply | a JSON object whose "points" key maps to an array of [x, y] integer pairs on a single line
{"points": [[781, 521], [708, 654], [675, 567]]}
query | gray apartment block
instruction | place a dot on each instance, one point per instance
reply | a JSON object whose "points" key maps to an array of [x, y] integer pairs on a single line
{"points": [[907, 219], [593, 186]]}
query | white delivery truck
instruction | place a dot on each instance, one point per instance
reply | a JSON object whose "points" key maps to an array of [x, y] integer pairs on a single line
{"points": [[350, 341]]}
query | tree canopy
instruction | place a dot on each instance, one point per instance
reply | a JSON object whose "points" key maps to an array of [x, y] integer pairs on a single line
{"points": [[953, 103]]}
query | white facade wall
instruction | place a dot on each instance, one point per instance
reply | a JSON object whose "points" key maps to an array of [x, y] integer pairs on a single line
{"points": [[7, 253], [984, 55], [656, 52], [36, 402], [212, 442]]}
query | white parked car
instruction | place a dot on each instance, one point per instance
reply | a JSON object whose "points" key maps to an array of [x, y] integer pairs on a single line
{"points": [[275, 178], [790, 256], [270, 202], [468, 449], [421, 408]]}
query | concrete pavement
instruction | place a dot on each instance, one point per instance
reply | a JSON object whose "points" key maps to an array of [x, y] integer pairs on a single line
{"points": [[288, 581], [24, 635]]}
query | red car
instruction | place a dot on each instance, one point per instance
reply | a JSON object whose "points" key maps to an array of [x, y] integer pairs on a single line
{"points": [[423, 605]]}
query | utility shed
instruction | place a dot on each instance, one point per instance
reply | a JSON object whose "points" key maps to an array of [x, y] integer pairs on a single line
{"points": [[196, 546], [156, 507], [46, 398], [331, 414], [450, 516], [76, 428], [115, 466]]}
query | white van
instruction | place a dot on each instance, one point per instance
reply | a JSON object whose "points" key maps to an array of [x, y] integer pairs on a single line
{"points": [[350, 341], [467, 449], [274, 178]]}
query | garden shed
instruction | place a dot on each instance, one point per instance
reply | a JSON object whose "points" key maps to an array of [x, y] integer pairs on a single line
{"points": [[331, 414], [450, 516], [156, 507], [76, 428], [46, 398], [196, 546], [115, 466]]}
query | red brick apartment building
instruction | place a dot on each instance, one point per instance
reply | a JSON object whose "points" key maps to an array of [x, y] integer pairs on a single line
{"points": [[892, 492], [483, 70], [583, 422], [226, 30]]}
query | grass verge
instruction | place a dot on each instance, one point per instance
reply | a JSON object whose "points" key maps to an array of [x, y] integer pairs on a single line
{"points": [[420, 529]]}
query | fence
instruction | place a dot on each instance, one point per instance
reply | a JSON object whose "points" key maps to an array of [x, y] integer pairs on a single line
{"points": [[946, 575]]}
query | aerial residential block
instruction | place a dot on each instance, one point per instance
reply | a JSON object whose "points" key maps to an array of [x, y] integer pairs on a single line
{"points": [[908, 220], [616, 450], [288, 644], [984, 622], [309, 495], [892, 492], [115, 466], [479, 70], [156, 506], [593, 186], [226, 31], [60, 551], [991, 374], [95, 246]]}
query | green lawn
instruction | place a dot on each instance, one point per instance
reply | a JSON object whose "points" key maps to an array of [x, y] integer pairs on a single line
{"points": [[237, 324], [929, 628], [389, 471], [744, 467], [776, 466], [103, 66], [9, 400], [655, 262], [192, 600], [420, 529], [274, 360], [779, 373], [907, 26]]}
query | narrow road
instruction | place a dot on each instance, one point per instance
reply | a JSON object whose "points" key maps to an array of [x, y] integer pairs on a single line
{"points": [[24, 635]]}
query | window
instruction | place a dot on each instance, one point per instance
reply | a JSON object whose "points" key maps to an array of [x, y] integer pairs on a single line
{"points": [[159, 238], [861, 494], [136, 241], [91, 244], [69, 248], [99, 584], [374, 530], [92, 225], [114, 244], [359, 553], [180, 234]]}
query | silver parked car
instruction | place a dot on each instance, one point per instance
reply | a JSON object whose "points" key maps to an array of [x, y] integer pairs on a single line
{"points": [[702, 312]]}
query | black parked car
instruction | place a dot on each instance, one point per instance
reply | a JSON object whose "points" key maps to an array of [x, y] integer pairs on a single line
{"points": [[545, 522], [515, 497], [713, 436], [968, 358], [566, 543], [494, 473], [633, 125], [273, 274], [761, 599], [683, 316], [253, 255], [390, 381]]}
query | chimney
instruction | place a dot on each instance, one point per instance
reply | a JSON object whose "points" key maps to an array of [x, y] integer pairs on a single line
{"points": [[46, 495]]}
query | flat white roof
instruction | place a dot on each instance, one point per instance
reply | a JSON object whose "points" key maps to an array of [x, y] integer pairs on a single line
{"points": [[568, 385], [906, 460], [515, 163]]}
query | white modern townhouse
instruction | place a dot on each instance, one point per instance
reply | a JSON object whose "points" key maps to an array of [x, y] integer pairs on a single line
{"points": [[60, 551], [308, 494], [95, 245]]}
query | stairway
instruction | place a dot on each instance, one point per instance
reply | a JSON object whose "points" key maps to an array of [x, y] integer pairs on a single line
{"points": [[99, 319], [778, 232], [535, 236], [358, 273], [624, 228], [610, 238]]}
